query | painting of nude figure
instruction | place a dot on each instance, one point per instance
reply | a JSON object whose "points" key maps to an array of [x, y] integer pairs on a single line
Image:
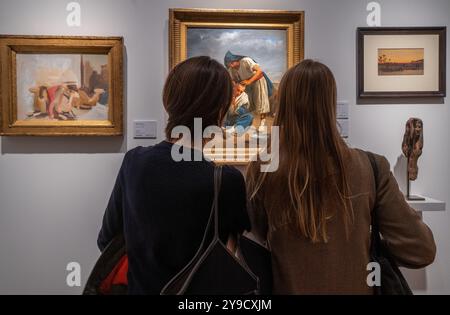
{"points": [[62, 87]]}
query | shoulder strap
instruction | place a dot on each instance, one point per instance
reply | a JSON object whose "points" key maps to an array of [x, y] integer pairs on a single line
{"points": [[374, 165], [217, 186], [213, 216], [376, 240], [173, 286]]}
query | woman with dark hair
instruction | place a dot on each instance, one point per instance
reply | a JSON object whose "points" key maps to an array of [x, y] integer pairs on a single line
{"points": [[315, 210], [162, 206]]}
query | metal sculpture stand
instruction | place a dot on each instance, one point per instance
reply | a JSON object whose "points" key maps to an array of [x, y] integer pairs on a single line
{"points": [[408, 188]]}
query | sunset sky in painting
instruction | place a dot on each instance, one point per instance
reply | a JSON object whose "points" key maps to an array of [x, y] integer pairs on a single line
{"points": [[402, 55]]}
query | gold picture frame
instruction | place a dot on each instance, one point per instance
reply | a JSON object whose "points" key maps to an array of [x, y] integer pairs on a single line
{"points": [[19, 118], [183, 23], [182, 19]]}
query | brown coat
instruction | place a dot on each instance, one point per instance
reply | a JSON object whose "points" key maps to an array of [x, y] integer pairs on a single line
{"points": [[339, 266]]}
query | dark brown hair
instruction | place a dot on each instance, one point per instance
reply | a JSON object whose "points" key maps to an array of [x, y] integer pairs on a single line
{"points": [[198, 87], [309, 139]]}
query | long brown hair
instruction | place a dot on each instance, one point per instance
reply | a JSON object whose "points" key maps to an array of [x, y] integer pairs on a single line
{"points": [[310, 146], [199, 87]]}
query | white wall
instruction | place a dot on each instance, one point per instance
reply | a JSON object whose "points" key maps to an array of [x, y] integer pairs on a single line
{"points": [[53, 191]]}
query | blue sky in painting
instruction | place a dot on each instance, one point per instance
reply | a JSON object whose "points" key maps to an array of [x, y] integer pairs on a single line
{"points": [[267, 47]]}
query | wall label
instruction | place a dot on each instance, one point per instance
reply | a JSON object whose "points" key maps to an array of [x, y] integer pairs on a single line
{"points": [[374, 17], [145, 129], [74, 17], [343, 118]]}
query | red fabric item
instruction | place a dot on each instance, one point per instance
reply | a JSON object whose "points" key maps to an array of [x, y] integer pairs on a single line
{"points": [[52, 92], [118, 276]]}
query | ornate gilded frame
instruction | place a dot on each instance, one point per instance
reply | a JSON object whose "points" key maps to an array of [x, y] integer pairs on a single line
{"points": [[181, 19], [10, 46]]}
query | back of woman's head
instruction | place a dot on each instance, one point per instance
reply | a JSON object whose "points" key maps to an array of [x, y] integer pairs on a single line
{"points": [[198, 87], [310, 148], [307, 107]]}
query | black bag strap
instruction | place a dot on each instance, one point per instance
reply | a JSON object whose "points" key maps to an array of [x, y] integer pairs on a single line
{"points": [[215, 207], [214, 214], [203, 245], [375, 233]]}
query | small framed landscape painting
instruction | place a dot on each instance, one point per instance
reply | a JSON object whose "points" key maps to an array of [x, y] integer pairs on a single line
{"points": [[401, 62]]}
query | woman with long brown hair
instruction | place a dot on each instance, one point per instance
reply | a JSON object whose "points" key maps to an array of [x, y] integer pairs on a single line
{"points": [[315, 210]]}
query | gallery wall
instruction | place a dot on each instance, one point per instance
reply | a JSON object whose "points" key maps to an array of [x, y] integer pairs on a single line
{"points": [[53, 191]]}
